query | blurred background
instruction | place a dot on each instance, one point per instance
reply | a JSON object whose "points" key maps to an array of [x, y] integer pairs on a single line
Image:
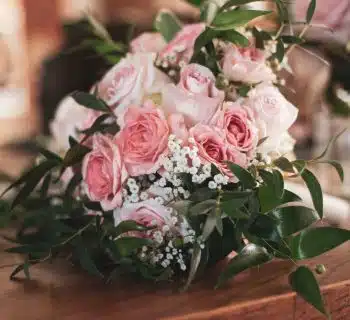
{"points": [[40, 63]]}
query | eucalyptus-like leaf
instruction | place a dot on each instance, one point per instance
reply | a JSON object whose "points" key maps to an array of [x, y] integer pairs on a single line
{"points": [[260, 37], [167, 24], [75, 155], [203, 207], [243, 90], [250, 256], [90, 101], [209, 225], [97, 126], [244, 176], [305, 285], [336, 165], [232, 19], [195, 262], [310, 11], [84, 256], [203, 194], [35, 173], [230, 207], [316, 241]]}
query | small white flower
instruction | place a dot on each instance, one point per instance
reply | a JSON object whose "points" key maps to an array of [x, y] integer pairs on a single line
{"points": [[183, 267], [181, 190], [219, 178], [144, 248], [144, 196], [207, 168], [193, 170], [186, 194], [167, 249], [134, 188], [131, 182], [174, 220], [160, 200], [196, 162], [172, 137], [191, 140], [169, 256], [162, 182], [165, 228], [152, 177]]}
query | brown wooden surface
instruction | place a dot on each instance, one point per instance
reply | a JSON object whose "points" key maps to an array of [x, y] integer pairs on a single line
{"points": [[63, 293]]}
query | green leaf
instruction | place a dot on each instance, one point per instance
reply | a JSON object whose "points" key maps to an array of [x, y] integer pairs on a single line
{"points": [[250, 256], [72, 185], [293, 218], [300, 165], [243, 90], [219, 225], [127, 226], [26, 266], [292, 40], [38, 171], [203, 194], [128, 245], [75, 155], [29, 248], [209, 10], [279, 55], [90, 101], [329, 144], [260, 38], [195, 261], [282, 11], [229, 20], [265, 227], [236, 38], [305, 284], [167, 24], [97, 126], [32, 181], [284, 164], [243, 175], [230, 207], [45, 186], [72, 141], [337, 166], [203, 39], [233, 3], [310, 11], [22, 267], [203, 207], [314, 242], [209, 225], [47, 153], [315, 190], [85, 258]]}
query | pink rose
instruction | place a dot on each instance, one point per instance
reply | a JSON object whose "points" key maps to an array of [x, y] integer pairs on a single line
{"points": [[212, 148], [196, 96], [129, 81], [180, 49], [143, 139], [239, 128], [273, 114], [246, 65], [148, 42], [69, 119], [104, 173], [148, 213]]}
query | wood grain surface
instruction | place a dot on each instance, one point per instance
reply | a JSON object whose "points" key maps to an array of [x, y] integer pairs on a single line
{"points": [[60, 292]]}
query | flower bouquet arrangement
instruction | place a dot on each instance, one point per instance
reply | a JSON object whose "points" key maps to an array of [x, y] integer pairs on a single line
{"points": [[176, 160]]}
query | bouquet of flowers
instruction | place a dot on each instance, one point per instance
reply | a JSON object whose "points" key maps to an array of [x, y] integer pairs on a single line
{"points": [[176, 159]]}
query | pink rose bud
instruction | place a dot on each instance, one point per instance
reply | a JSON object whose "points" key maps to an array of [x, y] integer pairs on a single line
{"points": [[104, 173]]}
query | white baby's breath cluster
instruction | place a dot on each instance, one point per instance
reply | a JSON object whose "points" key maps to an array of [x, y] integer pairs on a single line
{"points": [[172, 242]]}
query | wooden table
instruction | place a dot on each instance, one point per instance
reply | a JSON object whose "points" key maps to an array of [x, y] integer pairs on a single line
{"points": [[62, 293]]}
